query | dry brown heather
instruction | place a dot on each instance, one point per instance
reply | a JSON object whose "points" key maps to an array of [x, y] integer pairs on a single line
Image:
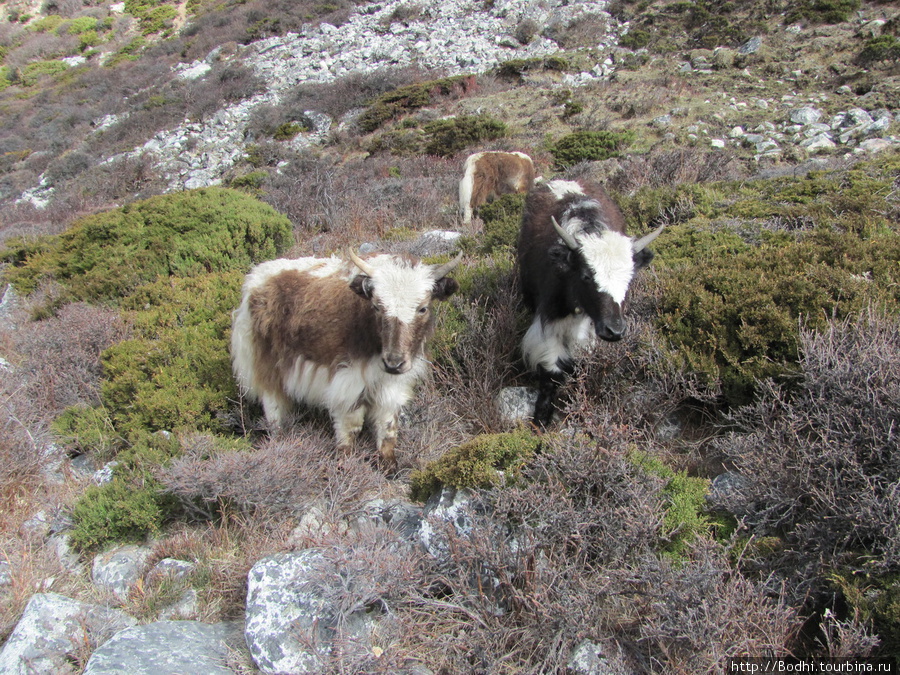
{"points": [[596, 558]]}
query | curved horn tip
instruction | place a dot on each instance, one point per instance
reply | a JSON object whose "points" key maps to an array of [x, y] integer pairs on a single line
{"points": [[568, 239], [359, 262], [440, 271], [647, 239]]}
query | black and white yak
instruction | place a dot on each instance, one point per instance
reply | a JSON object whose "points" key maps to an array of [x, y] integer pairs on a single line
{"points": [[575, 265], [348, 336], [487, 175]]}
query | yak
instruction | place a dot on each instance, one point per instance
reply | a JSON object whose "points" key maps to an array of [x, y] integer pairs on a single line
{"points": [[575, 264], [487, 175], [348, 336]]}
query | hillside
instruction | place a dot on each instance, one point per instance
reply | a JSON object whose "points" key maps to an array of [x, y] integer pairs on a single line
{"points": [[720, 484]]}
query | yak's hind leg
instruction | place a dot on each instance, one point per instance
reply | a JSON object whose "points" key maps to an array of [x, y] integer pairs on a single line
{"points": [[278, 410]]}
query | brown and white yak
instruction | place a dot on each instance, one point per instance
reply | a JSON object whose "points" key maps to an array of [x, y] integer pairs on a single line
{"points": [[348, 336], [575, 265], [487, 175]]}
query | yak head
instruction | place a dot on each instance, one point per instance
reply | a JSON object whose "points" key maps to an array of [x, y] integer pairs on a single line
{"points": [[597, 268], [401, 291]]}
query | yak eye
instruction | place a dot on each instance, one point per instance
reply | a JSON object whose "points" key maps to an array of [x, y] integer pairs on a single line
{"points": [[423, 309], [377, 307]]}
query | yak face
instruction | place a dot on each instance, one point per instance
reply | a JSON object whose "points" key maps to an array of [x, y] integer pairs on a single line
{"points": [[401, 293], [596, 269]]}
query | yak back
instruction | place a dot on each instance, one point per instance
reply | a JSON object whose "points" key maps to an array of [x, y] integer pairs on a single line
{"points": [[295, 314]]}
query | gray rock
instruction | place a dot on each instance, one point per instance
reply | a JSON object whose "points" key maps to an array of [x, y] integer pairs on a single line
{"points": [[874, 145], [176, 569], [118, 570], [51, 631], [5, 576], [452, 507], [818, 143], [589, 658], [290, 620], [67, 555], [751, 46], [516, 404], [167, 648], [805, 115], [435, 242], [186, 607]]}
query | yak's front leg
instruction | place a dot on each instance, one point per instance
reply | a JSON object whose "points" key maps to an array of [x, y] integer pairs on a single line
{"points": [[385, 424], [549, 382], [347, 426]]}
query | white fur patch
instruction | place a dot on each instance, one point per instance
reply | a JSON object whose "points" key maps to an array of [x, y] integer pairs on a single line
{"points": [[546, 343], [610, 257], [401, 288], [563, 188]]}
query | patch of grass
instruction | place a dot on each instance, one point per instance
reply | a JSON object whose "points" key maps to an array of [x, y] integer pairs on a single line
{"points": [[105, 257], [684, 503], [485, 461]]}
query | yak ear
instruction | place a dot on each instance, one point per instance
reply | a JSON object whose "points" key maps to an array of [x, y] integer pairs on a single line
{"points": [[444, 288], [561, 257], [362, 285], [642, 258]]}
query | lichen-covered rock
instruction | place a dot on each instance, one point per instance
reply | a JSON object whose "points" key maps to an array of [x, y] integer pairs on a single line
{"points": [[51, 631], [291, 622], [183, 647]]}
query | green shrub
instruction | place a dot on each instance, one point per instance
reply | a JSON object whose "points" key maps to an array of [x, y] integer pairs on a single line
{"points": [[153, 16], [119, 510], [79, 25], [129, 52], [47, 24], [411, 97], [107, 255], [33, 72], [4, 77], [823, 11], [89, 429], [485, 461], [635, 39], [88, 39], [878, 49], [735, 318], [447, 137], [684, 503], [589, 146], [289, 130], [502, 219], [251, 182], [176, 372]]}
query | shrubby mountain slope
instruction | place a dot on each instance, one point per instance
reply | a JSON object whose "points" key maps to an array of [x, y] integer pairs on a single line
{"points": [[720, 484]]}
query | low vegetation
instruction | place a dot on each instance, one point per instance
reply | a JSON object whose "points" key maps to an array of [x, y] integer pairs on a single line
{"points": [[762, 346]]}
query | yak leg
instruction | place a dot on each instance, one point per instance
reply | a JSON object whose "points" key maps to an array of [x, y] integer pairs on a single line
{"points": [[347, 426], [385, 423], [277, 409], [549, 382]]}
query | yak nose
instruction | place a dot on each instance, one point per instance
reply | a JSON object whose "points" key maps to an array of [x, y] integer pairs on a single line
{"points": [[611, 332], [395, 365]]}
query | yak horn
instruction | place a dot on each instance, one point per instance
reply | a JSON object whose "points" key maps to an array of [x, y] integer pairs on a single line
{"points": [[446, 268], [567, 238], [646, 240], [360, 263]]}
